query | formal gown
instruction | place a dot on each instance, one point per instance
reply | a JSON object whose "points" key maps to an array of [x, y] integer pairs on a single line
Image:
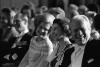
{"points": [[37, 54]]}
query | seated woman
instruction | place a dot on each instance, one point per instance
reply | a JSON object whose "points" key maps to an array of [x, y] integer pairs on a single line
{"points": [[40, 46], [59, 37]]}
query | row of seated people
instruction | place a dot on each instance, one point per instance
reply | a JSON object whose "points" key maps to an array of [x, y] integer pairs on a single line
{"points": [[32, 39]]}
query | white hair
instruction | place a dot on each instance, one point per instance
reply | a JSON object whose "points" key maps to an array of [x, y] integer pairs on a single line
{"points": [[82, 19]]}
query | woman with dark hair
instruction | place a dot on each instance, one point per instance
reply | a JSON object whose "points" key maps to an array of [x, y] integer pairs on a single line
{"points": [[60, 40]]}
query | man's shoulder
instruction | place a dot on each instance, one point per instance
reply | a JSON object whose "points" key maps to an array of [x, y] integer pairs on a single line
{"points": [[91, 56], [92, 47], [94, 43]]}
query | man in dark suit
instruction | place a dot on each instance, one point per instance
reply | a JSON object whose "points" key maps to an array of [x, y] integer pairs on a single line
{"points": [[85, 52], [91, 56]]}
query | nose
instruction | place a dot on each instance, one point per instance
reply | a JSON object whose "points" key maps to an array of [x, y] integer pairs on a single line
{"points": [[42, 30], [80, 34]]}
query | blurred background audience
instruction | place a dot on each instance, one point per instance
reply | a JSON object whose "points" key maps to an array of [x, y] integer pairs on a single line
{"points": [[23, 22]]}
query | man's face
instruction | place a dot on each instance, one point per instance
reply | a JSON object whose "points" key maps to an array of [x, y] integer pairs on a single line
{"points": [[80, 33], [21, 25]]}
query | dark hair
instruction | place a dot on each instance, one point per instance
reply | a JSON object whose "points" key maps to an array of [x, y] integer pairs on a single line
{"points": [[96, 22], [62, 23], [6, 11], [59, 22], [93, 7], [25, 7], [28, 7]]}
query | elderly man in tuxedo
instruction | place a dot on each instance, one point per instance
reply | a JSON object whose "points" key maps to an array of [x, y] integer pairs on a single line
{"points": [[85, 52]]}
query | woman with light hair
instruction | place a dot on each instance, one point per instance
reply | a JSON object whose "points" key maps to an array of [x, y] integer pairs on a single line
{"points": [[41, 46]]}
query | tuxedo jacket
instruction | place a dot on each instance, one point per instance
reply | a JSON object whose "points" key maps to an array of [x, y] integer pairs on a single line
{"points": [[91, 56]]}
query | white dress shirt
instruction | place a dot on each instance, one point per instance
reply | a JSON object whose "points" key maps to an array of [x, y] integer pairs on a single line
{"points": [[77, 56]]}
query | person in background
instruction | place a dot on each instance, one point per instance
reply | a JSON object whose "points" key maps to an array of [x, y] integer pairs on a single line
{"points": [[73, 10], [13, 13], [57, 12], [44, 9], [28, 10], [5, 23], [82, 9], [20, 25], [5, 31], [18, 30], [96, 22]]}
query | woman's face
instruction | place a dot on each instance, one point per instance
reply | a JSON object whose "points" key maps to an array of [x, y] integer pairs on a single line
{"points": [[43, 29], [56, 32]]}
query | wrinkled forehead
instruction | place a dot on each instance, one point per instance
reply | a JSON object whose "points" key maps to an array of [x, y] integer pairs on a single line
{"points": [[80, 21]]}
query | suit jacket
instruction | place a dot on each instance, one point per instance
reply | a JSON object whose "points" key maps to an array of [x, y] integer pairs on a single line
{"points": [[91, 57]]}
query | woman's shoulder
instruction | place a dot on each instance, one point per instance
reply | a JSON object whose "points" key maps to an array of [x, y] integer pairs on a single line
{"points": [[93, 46], [38, 41], [39, 45]]}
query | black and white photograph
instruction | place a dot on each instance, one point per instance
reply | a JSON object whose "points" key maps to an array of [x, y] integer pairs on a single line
{"points": [[49, 33]]}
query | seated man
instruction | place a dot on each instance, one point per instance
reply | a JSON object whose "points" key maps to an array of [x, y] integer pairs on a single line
{"points": [[19, 44], [85, 53]]}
